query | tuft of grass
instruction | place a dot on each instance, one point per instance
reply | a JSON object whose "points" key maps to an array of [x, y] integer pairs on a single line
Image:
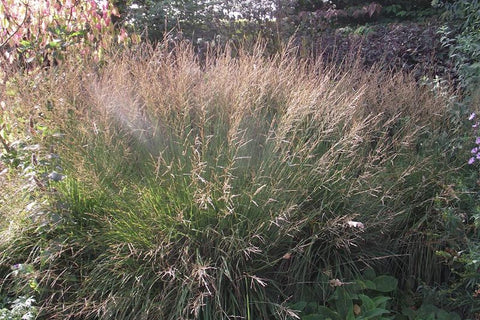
{"points": [[220, 189]]}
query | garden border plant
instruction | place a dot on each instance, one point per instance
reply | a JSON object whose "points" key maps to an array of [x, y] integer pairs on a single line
{"points": [[222, 189]]}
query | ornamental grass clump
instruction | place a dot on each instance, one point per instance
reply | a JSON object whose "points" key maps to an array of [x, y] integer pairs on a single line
{"points": [[229, 187]]}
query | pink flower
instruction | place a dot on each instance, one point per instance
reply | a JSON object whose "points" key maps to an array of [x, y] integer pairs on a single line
{"points": [[122, 36], [471, 160]]}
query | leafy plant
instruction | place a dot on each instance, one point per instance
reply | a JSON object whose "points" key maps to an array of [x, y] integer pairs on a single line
{"points": [[41, 33], [22, 308], [360, 299], [462, 37], [409, 10], [428, 312], [25, 284]]}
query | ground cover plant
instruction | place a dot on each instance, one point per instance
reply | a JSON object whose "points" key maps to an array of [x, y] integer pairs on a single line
{"points": [[160, 186]]}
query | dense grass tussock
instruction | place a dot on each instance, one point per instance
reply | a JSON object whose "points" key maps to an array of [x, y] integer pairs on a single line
{"points": [[228, 188]]}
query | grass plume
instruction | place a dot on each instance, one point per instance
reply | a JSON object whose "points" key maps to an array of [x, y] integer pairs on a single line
{"points": [[219, 189]]}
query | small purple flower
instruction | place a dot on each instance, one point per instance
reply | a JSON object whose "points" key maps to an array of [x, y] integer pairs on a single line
{"points": [[477, 141], [478, 156], [475, 125], [471, 160], [474, 150], [472, 116]]}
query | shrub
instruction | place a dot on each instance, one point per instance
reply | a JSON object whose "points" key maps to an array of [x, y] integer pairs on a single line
{"points": [[462, 37], [42, 32]]}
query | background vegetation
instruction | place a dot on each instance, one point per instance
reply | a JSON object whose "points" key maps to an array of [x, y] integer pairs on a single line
{"points": [[239, 167]]}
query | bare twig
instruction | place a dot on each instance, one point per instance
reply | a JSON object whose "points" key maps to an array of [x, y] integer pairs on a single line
{"points": [[18, 27], [4, 142]]}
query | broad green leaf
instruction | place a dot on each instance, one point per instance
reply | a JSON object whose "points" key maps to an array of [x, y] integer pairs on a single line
{"points": [[370, 285], [77, 33], [375, 313], [426, 311], [344, 302], [314, 316], [54, 44], [444, 315], [385, 283], [311, 307], [367, 303], [408, 312], [327, 313], [369, 274], [380, 301], [299, 305], [365, 284], [350, 315], [25, 43]]}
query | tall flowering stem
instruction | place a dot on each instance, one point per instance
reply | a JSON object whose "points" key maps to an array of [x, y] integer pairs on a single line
{"points": [[476, 150]]}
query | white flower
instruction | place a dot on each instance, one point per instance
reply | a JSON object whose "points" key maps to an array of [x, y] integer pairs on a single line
{"points": [[55, 176], [356, 224]]}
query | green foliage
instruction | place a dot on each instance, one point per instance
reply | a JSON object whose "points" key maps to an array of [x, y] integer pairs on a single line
{"points": [[360, 299], [24, 285], [21, 308], [409, 11], [427, 312], [213, 22], [463, 291], [369, 298], [462, 36]]}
